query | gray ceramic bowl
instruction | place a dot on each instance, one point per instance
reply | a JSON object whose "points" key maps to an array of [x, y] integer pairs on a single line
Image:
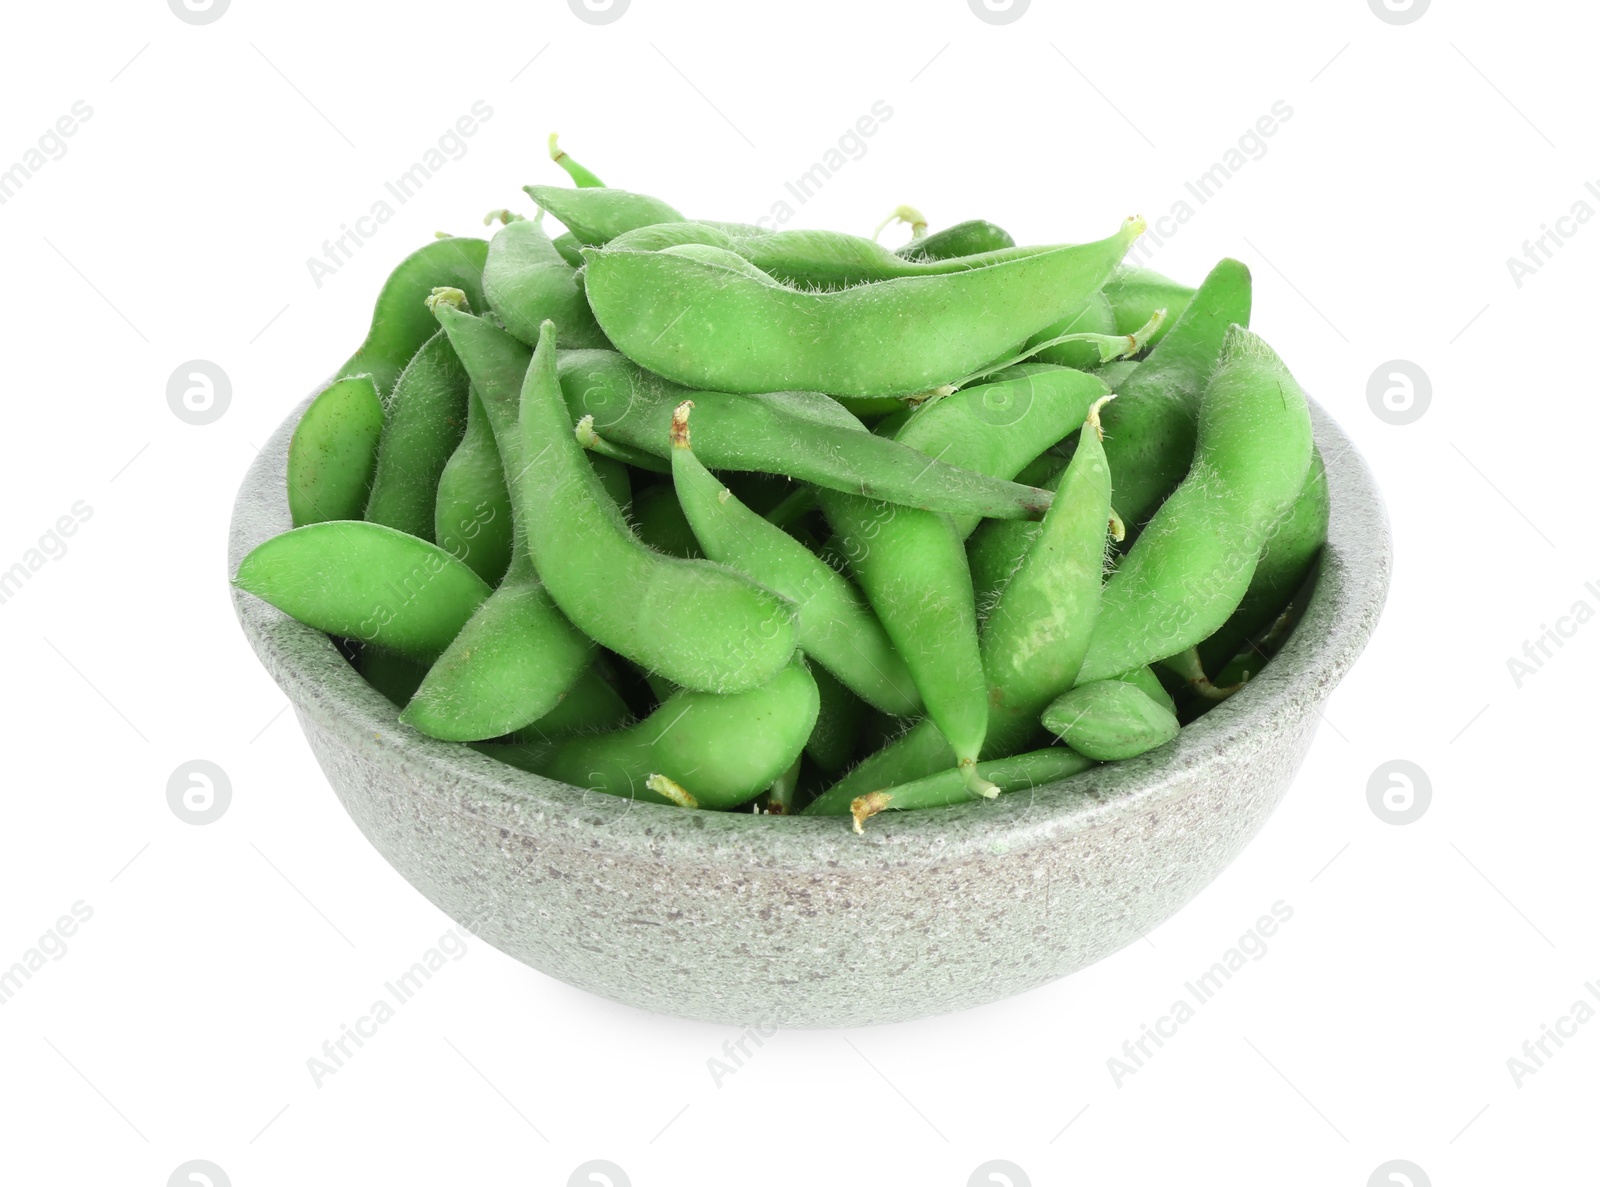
{"points": [[744, 919]]}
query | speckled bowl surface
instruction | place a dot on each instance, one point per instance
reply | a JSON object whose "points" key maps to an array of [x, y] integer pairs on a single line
{"points": [[743, 919]]}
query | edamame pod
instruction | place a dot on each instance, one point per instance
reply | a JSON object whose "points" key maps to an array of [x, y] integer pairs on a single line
{"points": [[997, 428], [472, 515], [395, 676], [1095, 317], [334, 451], [800, 435], [701, 625], [1109, 720], [525, 280], [425, 423], [1191, 566], [913, 569], [1021, 772], [706, 327], [510, 665], [840, 716], [596, 215], [591, 706], [970, 238], [364, 581], [1034, 640], [401, 322], [1150, 430], [1291, 550], [660, 522], [722, 751], [836, 628], [519, 655], [1135, 294], [810, 258]]}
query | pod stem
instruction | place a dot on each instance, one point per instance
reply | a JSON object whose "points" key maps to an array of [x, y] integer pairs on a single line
{"points": [[905, 214], [1094, 417], [1187, 665], [584, 432], [503, 216], [864, 807], [454, 298], [680, 425], [581, 177], [975, 782], [672, 790]]}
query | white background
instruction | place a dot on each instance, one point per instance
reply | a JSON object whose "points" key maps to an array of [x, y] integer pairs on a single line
{"points": [[218, 959]]}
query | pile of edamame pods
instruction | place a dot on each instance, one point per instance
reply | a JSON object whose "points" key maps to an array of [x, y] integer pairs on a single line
{"points": [[715, 516]]}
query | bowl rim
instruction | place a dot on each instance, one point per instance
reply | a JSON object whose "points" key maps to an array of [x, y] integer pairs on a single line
{"points": [[1343, 612]]}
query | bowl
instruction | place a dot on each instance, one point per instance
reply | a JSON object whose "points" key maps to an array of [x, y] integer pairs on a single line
{"points": [[795, 921]]}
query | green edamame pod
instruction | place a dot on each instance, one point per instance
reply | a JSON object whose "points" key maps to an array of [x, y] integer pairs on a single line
{"points": [[913, 569], [1108, 720], [1034, 639], [706, 327], [660, 522], [840, 716], [799, 435], [581, 177], [596, 215], [395, 676], [510, 665], [997, 428], [1147, 682], [613, 476], [426, 420], [1135, 294], [1190, 568], [364, 581], [1150, 430], [698, 624], [660, 236], [401, 322], [996, 549], [715, 751], [836, 628], [1291, 550], [472, 514], [811, 258], [1113, 374], [1021, 772], [970, 238], [1095, 317], [334, 451], [525, 281], [568, 248], [519, 655], [591, 706]]}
